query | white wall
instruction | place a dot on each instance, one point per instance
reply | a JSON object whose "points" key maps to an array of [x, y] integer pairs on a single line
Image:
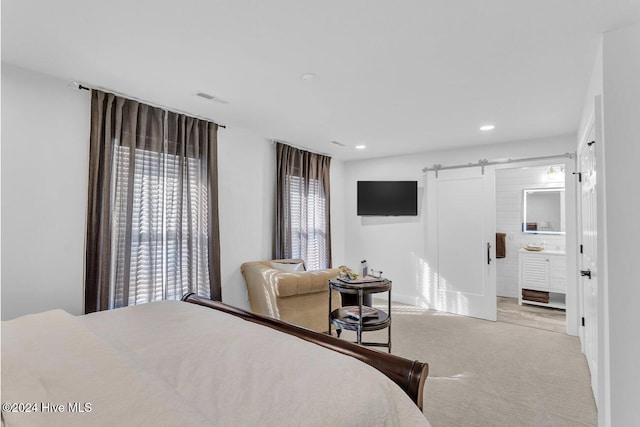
{"points": [[45, 143], [510, 186], [337, 178], [247, 207], [44, 197], [393, 244], [621, 65], [246, 194], [45, 150]]}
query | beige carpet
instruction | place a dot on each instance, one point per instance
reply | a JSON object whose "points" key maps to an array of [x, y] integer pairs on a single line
{"points": [[492, 373]]}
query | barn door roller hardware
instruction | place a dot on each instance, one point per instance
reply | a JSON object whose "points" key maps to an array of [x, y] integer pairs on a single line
{"points": [[484, 162]]}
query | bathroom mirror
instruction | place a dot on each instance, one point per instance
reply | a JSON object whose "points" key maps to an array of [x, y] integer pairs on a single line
{"points": [[544, 211]]}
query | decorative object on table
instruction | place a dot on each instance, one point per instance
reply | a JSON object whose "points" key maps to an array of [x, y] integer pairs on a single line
{"points": [[377, 276], [367, 312], [347, 273], [363, 267], [361, 280], [351, 299]]}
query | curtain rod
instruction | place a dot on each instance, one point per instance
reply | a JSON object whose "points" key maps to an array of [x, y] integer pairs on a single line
{"points": [[81, 87], [274, 141], [484, 162]]}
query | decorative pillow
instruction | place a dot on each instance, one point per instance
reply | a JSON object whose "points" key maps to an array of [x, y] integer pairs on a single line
{"points": [[288, 267]]}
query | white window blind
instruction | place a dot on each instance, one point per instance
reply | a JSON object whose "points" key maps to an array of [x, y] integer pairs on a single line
{"points": [[307, 207], [163, 254]]}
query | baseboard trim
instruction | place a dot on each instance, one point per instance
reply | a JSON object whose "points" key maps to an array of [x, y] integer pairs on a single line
{"points": [[410, 300]]}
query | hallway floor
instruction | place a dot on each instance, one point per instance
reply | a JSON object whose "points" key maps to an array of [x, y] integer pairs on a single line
{"points": [[549, 319]]}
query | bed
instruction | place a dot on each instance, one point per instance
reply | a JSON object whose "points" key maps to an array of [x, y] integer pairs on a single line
{"points": [[197, 362]]}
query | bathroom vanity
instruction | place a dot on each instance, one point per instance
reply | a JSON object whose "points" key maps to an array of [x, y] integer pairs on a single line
{"points": [[542, 273]]}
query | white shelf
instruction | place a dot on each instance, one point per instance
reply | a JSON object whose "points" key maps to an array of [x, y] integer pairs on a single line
{"points": [[555, 301]]}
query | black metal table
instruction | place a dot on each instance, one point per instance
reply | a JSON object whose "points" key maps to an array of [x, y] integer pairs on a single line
{"points": [[351, 317]]}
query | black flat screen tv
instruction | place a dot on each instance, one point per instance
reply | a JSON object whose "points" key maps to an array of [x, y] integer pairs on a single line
{"points": [[387, 198]]}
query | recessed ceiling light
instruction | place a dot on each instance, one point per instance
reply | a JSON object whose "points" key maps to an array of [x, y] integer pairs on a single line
{"points": [[309, 76], [487, 127], [360, 147]]}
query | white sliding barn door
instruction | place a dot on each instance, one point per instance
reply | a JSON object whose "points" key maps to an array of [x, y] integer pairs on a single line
{"points": [[461, 236]]}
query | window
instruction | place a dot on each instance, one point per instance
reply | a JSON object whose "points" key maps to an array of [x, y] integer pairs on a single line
{"points": [[152, 223], [165, 232], [308, 222], [303, 226]]}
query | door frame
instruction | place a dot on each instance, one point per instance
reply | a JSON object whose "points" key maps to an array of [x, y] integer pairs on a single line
{"points": [[603, 402], [571, 212], [582, 147]]}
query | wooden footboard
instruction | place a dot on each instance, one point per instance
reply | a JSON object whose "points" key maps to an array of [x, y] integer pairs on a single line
{"points": [[410, 375]]}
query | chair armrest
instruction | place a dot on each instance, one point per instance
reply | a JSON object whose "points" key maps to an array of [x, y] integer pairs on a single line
{"points": [[304, 282]]}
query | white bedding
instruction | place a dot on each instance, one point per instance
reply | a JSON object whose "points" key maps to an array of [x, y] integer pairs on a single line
{"points": [[178, 364]]}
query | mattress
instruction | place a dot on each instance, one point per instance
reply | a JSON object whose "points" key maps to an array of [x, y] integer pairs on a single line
{"points": [[173, 363]]}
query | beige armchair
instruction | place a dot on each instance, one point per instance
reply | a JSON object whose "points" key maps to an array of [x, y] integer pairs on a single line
{"points": [[300, 297]]}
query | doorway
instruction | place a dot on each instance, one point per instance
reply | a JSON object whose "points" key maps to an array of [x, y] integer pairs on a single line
{"points": [[538, 225], [465, 195]]}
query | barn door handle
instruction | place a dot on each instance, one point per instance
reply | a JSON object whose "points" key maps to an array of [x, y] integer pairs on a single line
{"points": [[488, 253], [586, 273]]}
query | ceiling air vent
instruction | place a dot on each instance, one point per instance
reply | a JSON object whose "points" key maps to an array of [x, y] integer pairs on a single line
{"points": [[338, 143], [205, 95], [211, 98]]}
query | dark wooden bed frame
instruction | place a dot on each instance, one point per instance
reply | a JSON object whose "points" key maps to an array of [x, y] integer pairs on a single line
{"points": [[410, 375]]}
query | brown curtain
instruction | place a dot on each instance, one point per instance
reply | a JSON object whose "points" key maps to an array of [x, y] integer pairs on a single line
{"points": [[303, 221], [152, 226]]}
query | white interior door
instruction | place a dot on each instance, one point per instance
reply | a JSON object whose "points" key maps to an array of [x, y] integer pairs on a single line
{"points": [[589, 256], [461, 239]]}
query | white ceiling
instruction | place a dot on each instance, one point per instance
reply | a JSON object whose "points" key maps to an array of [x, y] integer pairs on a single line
{"points": [[399, 76]]}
